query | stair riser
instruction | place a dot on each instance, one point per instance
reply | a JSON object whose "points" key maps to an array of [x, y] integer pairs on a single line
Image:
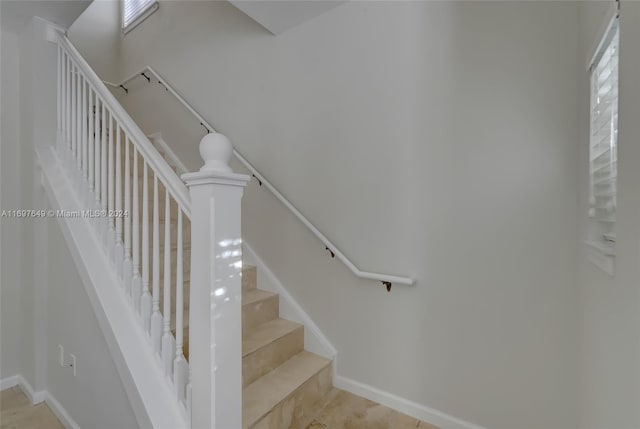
{"points": [[173, 235], [297, 410], [248, 273], [161, 215], [259, 312], [261, 361], [249, 279], [140, 158], [186, 261]]}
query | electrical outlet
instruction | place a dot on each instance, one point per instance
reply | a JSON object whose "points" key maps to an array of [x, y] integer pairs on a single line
{"points": [[73, 363], [61, 355]]}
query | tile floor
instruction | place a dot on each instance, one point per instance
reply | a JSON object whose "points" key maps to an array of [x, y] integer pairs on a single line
{"points": [[346, 411], [341, 411], [17, 412]]}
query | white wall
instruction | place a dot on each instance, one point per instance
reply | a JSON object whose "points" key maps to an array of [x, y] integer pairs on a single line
{"points": [[610, 306], [28, 120], [10, 199], [32, 327], [437, 140], [100, 37], [95, 397]]}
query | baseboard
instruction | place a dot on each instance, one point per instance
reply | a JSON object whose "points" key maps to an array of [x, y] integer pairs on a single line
{"points": [[418, 411], [34, 397], [9, 382], [38, 397], [18, 380], [61, 413], [314, 340]]}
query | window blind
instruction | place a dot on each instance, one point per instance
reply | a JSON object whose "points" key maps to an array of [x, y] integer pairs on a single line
{"points": [[603, 154], [134, 11]]}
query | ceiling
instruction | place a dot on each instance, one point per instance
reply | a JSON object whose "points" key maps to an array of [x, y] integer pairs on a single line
{"points": [[277, 16], [16, 14]]}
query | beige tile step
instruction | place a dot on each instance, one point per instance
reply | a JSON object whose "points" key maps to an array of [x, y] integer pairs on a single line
{"points": [[249, 278], [258, 306], [267, 346], [173, 227], [186, 260], [248, 271], [287, 397]]}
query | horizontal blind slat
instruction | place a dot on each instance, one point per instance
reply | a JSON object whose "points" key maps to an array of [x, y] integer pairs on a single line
{"points": [[134, 8]]}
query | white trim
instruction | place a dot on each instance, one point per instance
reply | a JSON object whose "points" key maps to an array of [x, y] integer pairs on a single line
{"points": [[60, 412], [138, 19], [609, 18], [35, 397], [317, 342], [38, 397], [421, 412], [9, 382], [40, 284], [18, 380], [147, 150], [141, 371], [600, 258], [314, 340]]}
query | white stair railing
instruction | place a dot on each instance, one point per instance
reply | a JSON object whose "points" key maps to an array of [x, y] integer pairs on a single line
{"points": [[106, 151], [140, 210]]}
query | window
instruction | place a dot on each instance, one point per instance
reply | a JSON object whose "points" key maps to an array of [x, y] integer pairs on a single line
{"points": [[603, 154], [136, 11]]}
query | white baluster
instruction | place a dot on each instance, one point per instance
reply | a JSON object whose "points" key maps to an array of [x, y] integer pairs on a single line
{"points": [[167, 338], [91, 147], [136, 287], [74, 109], [111, 195], [63, 144], [59, 99], [78, 117], [156, 317], [103, 174], [61, 107], [145, 300], [97, 161], [67, 91], [119, 245], [180, 364], [127, 267], [85, 132]]}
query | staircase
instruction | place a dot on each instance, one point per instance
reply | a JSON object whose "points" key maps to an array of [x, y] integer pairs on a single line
{"points": [[283, 384], [229, 361]]}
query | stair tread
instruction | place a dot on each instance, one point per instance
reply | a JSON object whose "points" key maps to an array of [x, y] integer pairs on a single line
{"points": [[266, 333], [269, 390], [256, 295]]}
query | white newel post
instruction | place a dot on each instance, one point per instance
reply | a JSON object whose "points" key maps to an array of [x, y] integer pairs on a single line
{"points": [[215, 331]]}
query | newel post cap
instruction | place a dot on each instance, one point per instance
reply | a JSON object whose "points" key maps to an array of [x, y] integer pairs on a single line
{"points": [[216, 151]]}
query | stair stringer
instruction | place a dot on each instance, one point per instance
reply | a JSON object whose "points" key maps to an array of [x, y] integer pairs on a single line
{"points": [[150, 395], [314, 339]]}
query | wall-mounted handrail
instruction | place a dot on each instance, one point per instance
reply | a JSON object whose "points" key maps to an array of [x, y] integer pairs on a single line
{"points": [[159, 165], [386, 279]]}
